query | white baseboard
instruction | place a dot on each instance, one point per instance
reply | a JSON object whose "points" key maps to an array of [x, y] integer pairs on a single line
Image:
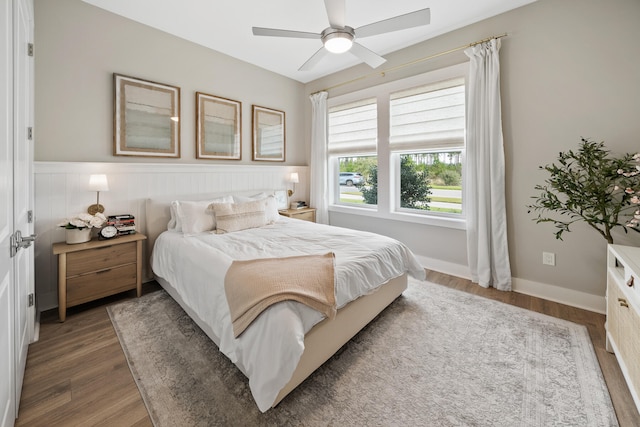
{"points": [[450, 268], [595, 303], [36, 329], [573, 298]]}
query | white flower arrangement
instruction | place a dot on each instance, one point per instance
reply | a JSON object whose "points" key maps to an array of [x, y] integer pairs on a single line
{"points": [[84, 220]]}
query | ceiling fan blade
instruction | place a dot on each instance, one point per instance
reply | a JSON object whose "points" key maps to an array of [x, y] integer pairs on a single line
{"points": [[371, 58], [274, 32], [313, 61], [409, 20], [335, 12]]}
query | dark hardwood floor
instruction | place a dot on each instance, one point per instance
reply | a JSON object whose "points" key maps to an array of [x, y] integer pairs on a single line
{"points": [[77, 373]]}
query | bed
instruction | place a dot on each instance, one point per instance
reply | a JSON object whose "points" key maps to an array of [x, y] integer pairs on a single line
{"points": [[289, 340]]}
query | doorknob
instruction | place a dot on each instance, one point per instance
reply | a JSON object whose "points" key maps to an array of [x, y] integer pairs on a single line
{"points": [[18, 242]]}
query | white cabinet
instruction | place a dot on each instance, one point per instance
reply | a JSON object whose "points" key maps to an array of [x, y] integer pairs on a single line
{"points": [[623, 312]]}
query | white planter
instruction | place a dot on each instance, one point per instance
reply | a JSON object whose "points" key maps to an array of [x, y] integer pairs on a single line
{"points": [[77, 235]]}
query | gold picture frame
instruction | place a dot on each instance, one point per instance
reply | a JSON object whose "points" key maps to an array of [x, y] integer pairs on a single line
{"points": [[218, 127], [268, 134], [146, 118]]}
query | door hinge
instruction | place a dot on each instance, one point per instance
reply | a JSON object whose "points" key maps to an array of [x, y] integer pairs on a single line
{"points": [[31, 300], [30, 49], [30, 217], [29, 133]]}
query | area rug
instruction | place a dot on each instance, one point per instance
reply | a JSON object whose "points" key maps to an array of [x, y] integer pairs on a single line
{"points": [[434, 357]]}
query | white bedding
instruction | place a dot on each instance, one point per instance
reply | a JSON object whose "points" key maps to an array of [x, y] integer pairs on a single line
{"points": [[269, 350]]}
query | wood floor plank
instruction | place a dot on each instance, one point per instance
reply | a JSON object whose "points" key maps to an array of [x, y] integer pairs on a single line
{"points": [[77, 373]]}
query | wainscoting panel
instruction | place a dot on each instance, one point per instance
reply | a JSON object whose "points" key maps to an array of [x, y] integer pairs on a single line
{"points": [[61, 191]]}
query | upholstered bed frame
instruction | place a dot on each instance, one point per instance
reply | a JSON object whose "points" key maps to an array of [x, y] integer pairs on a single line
{"points": [[324, 339]]}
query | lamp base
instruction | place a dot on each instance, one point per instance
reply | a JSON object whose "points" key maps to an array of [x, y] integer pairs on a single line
{"points": [[95, 208], [290, 193]]}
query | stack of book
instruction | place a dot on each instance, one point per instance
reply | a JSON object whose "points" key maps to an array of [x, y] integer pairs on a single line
{"points": [[298, 205], [125, 223]]}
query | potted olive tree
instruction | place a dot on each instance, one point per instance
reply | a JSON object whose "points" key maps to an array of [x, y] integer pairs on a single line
{"points": [[590, 185]]}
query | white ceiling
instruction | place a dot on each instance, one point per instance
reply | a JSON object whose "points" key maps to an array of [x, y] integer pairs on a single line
{"points": [[225, 26]]}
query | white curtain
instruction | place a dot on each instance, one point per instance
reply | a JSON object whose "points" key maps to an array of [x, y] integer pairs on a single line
{"points": [[484, 183], [318, 195]]}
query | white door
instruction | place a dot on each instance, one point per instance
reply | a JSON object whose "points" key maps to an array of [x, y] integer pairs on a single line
{"points": [[7, 331], [23, 261], [17, 313]]}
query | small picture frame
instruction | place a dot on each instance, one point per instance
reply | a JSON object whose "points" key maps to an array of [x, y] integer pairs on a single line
{"points": [[268, 134], [146, 119], [218, 127]]}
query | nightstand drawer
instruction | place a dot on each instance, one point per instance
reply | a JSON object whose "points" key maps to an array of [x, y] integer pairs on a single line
{"points": [[100, 258], [306, 216], [89, 287]]}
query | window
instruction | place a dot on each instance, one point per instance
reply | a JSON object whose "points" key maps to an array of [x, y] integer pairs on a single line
{"points": [[431, 181], [402, 144], [427, 134], [352, 146]]}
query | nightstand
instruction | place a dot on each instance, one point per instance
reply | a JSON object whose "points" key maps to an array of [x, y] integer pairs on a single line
{"points": [[98, 268], [306, 214]]}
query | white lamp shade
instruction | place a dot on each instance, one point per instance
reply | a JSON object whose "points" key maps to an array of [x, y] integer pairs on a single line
{"points": [[98, 183], [294, 178]]}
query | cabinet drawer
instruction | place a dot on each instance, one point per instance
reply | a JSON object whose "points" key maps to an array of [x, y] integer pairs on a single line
{"points": [[100, 258], [306, 216], [88, 287]]}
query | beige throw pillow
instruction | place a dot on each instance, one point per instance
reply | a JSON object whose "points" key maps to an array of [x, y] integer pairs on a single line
{"points": [[239, 216]]}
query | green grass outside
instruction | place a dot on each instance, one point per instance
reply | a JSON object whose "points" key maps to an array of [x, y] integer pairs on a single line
{"points": [[448, 210], [447, 187], [446, 199], [361, 202]]}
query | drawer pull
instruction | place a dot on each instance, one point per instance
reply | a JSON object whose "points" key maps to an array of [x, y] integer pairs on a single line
{"points": [[103, 271], [623, 302], [630, 282]]}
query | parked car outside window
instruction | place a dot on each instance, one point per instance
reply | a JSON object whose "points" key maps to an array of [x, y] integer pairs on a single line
{"points": [[351, 178]]}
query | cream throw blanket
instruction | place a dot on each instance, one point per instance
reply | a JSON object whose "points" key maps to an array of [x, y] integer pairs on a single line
{"points": [[252, 286]]}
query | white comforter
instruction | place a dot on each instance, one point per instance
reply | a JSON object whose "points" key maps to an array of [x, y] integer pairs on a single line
{"points": [[269, 350]]}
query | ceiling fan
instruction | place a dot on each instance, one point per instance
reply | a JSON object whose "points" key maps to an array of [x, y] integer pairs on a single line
{"points": [[339, 38]]}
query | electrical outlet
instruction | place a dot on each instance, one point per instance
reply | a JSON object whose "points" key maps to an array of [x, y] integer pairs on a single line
{"points": [[548, 258]]}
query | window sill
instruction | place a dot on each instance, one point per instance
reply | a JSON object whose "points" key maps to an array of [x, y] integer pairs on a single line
{"points": [[432, 220]]}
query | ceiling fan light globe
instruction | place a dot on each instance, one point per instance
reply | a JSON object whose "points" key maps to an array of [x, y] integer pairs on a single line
{"points": [[338, 42]]}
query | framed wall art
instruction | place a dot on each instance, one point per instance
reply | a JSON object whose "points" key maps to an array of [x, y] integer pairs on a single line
{"points": [[268, 134], [218, 127], [146, 119]]}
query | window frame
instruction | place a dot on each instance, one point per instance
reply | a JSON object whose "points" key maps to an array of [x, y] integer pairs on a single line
{"points": [[388, 206], [396, 202]]}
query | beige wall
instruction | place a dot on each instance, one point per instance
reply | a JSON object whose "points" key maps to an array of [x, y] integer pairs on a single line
{"points": [[569, 69], [79, 47]]}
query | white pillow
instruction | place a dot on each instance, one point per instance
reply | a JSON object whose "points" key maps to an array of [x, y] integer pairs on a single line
{"points": [[193, 217], [242, 199], [239, 216], [271, 205], [174, 223], [271, 209]]}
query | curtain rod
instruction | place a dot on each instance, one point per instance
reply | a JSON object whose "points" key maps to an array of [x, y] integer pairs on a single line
{"points": [[408, 64]]}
